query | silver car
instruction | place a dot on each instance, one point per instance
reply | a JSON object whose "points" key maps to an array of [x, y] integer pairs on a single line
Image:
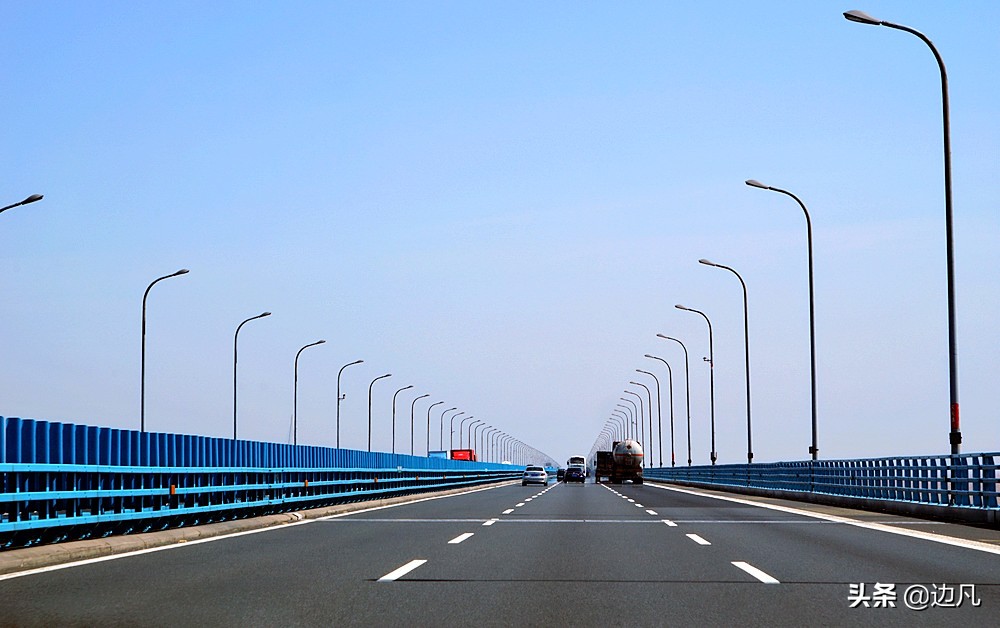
{"points": [[534, 475]]}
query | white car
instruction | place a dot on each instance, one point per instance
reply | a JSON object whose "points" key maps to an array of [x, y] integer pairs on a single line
{"points": [[534, 475]]}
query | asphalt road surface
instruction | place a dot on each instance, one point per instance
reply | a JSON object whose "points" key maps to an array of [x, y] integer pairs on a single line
{"points": [[561, 555]]}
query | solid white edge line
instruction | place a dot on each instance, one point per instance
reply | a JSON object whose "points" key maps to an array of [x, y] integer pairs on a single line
{"points": [[916, 534], [283, 526], [756, 573], [461, 537], [697, 539], [402, 571]]}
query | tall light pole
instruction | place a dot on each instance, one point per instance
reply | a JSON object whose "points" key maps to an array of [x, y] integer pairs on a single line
{"points": [[629, 420], [620, 419], [649, 395], [436, 403], [413, 406], [441, 429], [340, 397], [636, 415], [687, 388], [955, 436], [468, 435], [670, 388], [814, 447], [451, 431], [659, 415], [30, 199], [295, 393], [370, 407], [711, 373], [236, 338], [746, 350], [642, 415], [461, 424], [394, 415], [142, 376]]}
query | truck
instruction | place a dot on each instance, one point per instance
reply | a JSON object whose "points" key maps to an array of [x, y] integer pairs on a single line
{"points": [[626, 462], [602, 466], [463, 454]]}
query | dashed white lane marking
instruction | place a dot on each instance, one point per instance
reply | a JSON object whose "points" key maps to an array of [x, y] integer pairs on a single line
{"points": [[402, 571], [518, 505], [508, 511], [490, 522], [461, 537], [697, 539], [631, 501], [639, 506], [916, 534], [670, 523], [756, 573], [652, 512]]}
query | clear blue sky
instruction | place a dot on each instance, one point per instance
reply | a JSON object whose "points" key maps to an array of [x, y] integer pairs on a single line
{"points": [[499, 203]]}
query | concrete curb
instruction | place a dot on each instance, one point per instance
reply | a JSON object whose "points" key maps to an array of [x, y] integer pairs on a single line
{"points": [[16, 560]]}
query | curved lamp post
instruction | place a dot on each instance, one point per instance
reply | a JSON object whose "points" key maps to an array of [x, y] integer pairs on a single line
{"points": [[142, 376], [649, 395], [451, 431], [30, 199], [687, 388], [461, 424], [670, 388], [746, 350], [413, 406], [955, 435], [814, 447], [659, 415], [236, 338], [436, 403], [295, 393], [636, 415], [642, 415], [441, 428], [394, 415], [711, 373], [629, 419], [340, 397], [468, 435], [370, 407]]}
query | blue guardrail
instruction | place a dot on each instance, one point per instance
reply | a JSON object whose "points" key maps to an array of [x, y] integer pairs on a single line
{"points": [[62, 481]]}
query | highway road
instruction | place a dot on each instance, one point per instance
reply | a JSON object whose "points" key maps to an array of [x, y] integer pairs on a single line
{"points": [[561, 555]]}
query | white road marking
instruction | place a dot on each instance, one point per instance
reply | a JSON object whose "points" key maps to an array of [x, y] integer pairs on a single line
{"points": [[490, 522], [631, 501], [697, 539], [639, 506], [916, 534], [652, 512], [461, 537], [518, 505], [508, 511], [756, 573], [402, 571], [670, 523]]}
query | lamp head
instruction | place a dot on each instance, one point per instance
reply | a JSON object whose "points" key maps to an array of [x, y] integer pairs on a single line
{"points": [[707, 262], [862, 18], [681, 307], [182, 271], [754, 183], [263, 314]]}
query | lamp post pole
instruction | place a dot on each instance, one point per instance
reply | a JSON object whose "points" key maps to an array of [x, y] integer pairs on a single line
{"points": [[236, 338], [630, 431], [711, 374], [468, 435], [341, 397], [441, 428], [394, 415], [451, 431], [637, 416], [142, 367], [295, 393], [461, 424], [746, 350], [659, 416], [370, 407], [413, 406], [814, 447], [687, 388], [955, 435], [649, 395], [642, 415], [436, 403], [670, 388]]}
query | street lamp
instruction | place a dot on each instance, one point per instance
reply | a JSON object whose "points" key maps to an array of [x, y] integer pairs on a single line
{"points": [[642, 415], [461, 424], [30, 199], [441, 429], [436, 403], [468, 435], [413, 405], [659, 415], [687, 387], [236, 338], [636, 415], [814, 447], [955, 436], [649, 395], [370, 407], [670, 388], [142, 377], [629, 419], [451, 431], [295, 393], [341, 397], [711, 373], [394, 415], [746, 349]]}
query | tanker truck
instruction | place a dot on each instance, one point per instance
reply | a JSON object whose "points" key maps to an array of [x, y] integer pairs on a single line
{"points": [[626, 462]]}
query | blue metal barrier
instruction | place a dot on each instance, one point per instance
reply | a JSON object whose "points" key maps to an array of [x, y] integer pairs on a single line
{"points": [[62, 481], [963, 480]]}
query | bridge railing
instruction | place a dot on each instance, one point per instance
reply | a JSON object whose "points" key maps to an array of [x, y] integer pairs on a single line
{"points": [[63, 481], [962, 481]]}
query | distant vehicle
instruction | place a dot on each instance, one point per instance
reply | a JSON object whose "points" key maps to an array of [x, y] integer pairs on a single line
{"points": [[437, 454], [560, 474], [582, 460], [626, 463], [576, 473], [463, 454], [602, 466], [534, 475]]}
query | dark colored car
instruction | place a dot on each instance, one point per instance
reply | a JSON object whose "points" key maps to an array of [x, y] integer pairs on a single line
{"points": [[575, 473], [560, 474]]}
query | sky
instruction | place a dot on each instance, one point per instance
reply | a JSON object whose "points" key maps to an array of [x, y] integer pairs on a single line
{"points": [[500, 203]]}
